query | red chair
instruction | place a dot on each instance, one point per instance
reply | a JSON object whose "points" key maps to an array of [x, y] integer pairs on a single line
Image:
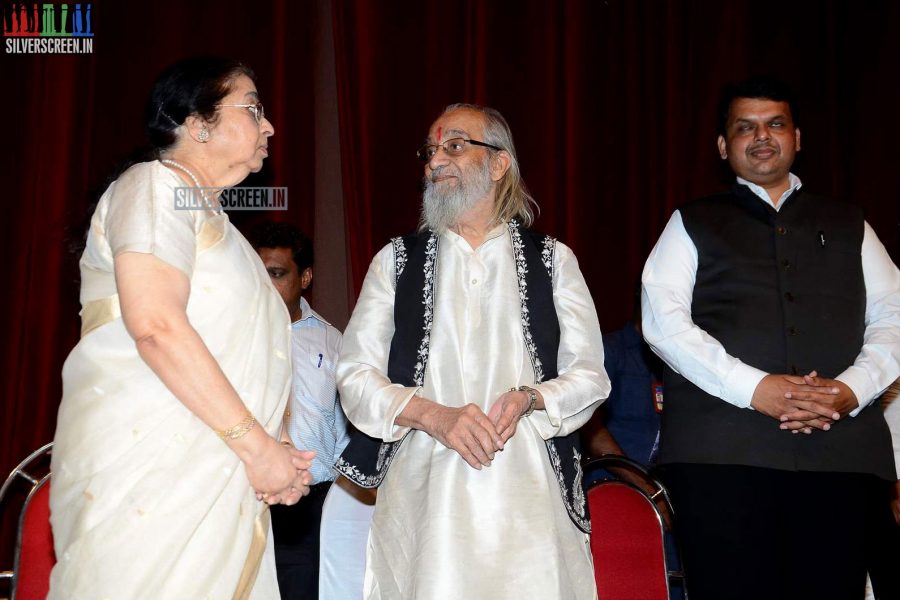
{"points": [[34, 556], [627, 538]]}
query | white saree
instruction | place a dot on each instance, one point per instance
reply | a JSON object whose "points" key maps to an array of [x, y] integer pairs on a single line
{"points": [[146, 500], [442, 529]]}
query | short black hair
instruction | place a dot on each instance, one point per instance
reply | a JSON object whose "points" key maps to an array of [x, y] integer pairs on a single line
{"points": [[272, 234], [756, 87]]}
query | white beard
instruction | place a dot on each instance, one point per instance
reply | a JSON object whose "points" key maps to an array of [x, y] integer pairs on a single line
{"points": [[443, 207]]}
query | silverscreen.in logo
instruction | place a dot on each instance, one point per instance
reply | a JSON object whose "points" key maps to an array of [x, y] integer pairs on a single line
{"points": [[32, 28], [239, 198]]}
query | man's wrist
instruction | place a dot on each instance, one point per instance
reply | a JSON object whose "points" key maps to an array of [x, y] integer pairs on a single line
{"points": [[859, 382], [420, 413], [531, 397], [740, 385]]}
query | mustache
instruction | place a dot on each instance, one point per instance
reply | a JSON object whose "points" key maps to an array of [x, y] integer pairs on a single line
{"points": [[760, 145], [441, 171]]}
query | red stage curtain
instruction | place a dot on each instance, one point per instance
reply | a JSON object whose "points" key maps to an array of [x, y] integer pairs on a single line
{"points": [[611, 102], [70, 119], [612, 105]]}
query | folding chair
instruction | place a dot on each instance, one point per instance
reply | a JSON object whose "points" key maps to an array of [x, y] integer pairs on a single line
{"points": [[627, 539], [34, 557]]}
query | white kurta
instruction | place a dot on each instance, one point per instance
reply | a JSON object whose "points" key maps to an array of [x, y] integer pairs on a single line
{"points": [[441, 528]]}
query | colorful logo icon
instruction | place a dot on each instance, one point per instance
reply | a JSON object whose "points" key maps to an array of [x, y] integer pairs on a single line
{"points": [[44, 28]]}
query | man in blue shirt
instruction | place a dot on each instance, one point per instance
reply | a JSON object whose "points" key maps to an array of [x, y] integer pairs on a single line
{"points": [[315, 420]]}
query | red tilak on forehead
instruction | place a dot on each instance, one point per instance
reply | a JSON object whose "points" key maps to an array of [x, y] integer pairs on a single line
{"points": [[439, 134]]}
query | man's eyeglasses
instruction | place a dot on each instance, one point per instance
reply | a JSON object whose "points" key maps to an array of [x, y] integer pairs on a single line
{"points": [[255, 109], [453, 147]]}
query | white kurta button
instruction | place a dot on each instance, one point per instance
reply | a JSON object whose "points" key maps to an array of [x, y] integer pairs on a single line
{"points": [[474, 282]]}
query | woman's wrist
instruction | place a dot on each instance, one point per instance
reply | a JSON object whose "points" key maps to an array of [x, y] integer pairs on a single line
{"points": [[238, 430], [251, 446]]}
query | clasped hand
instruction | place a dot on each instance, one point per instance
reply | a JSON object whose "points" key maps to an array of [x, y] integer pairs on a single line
{"points": [[476, 436], [280, 473], [803, 403]]}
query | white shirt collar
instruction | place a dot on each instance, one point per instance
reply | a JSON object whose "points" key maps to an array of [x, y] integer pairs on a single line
{"points": [[794, 184], [308, 313]]}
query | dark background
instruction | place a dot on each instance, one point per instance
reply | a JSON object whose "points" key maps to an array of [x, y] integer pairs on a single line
{"points": [[612, 104]]}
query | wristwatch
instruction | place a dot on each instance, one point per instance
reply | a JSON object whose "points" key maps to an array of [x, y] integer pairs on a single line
{"points": [[532, 400]]}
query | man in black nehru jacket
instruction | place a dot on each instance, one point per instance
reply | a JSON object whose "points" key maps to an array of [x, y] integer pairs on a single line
{"points": [[777, 313]]}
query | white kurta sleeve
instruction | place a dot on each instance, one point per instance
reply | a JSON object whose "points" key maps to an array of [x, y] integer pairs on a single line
{"points": [[582, 384], [370, 400], [668, 289], [878, 362]]}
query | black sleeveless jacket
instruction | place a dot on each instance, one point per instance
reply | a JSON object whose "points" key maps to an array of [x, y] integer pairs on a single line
{"points": [[782, 291], [365, 461]]}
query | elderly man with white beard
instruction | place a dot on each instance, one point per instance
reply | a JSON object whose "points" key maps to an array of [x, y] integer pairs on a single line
{"points": [[473, 356]]}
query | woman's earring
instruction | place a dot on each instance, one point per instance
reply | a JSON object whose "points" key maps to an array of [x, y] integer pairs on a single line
{"points": [[203, 136]]}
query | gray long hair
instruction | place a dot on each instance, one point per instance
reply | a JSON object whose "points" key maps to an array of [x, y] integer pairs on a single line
{"points": [[513, 198]]}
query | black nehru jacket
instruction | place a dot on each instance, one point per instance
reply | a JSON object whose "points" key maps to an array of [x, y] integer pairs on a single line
{"points": [[782, 291]]}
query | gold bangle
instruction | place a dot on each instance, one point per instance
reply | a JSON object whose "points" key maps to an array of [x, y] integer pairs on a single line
{"points": [[239, 430]]}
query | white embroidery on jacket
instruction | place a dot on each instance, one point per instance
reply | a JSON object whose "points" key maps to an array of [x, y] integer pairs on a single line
{"points": [[428, 300], [575, 505], [521, 272], [547, 254], [399, 257]]}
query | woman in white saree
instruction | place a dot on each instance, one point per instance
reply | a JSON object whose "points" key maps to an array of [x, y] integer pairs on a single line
{"points": [[183, 338]]}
